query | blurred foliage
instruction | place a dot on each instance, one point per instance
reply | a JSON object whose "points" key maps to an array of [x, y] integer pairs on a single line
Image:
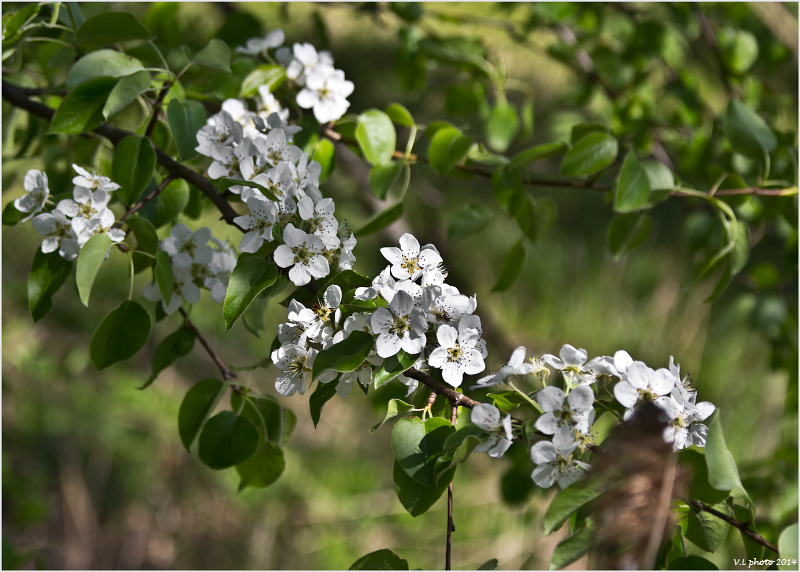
{"points": [[94, 474]]}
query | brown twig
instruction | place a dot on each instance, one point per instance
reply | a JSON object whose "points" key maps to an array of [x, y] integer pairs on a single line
{"points": [[157, 109], [455, 398], [227, 373], [451, 527], [153, 194], [743, 526]]}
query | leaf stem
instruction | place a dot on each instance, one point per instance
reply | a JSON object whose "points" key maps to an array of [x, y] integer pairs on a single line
{"points": [[535, 405]]}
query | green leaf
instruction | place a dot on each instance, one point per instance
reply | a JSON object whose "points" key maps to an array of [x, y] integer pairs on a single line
{"points": [[396, 407], [347, 280], [227, 440], [569, 500], [418, 444], [748, 133], [414, 497], [90, 258], [502, 127], [568, 551], [376, 137], [707, 531], [168, 204], [752, 548], [321, 396], [325, 155], [197, 406], [102, 63], [110, 28], [185, 120], [491, 564], [512, 267], [224, 183], [120, 335], [250, 277], [506, 184], [699, 487], [628, 232], [399, 115], [125, 92], [14, 28], [270, 75], [215, 56], [468, 220], [741, 52], [178, 344], [581, 130], [658, 175], [536, 218], [722, 472], [145, 233], [380, 560], [11, 215], [787, 546], [48, 274], [163, 276], [633, 187], [741, 246], [383, 177], [449, 147], [593, 153], [263, 468], [392, 367], [381, 220], [537, 153], [133, 167], [347, 355], [82, 109], [692, 563]]}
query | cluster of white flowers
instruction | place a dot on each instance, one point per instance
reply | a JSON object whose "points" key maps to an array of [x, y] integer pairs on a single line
{"points": [[314, 242], [323, 88], [198, 261], [74, 221]]}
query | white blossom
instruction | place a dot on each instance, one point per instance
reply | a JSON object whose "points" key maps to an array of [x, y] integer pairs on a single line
{"points": [[35, 185], [85, 203], [456, 354], [407, 261], [571, 364], [183, 288], [259, 224], [400, 326], [685, 428], [302, 253], [554, 463], [186, 246], [487, 417], [92, 181], [103, 223], [255, 46], [58, 233], [222, 129], [305, 59], [276, 149], [325, 92], [643, 384], [565, 413], [295, 363], [515, 366], [228, 159]]}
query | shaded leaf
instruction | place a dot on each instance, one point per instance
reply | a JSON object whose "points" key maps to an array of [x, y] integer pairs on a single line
{"points": [[90, 258], [227, 440], [120, 335], [48, 274]]}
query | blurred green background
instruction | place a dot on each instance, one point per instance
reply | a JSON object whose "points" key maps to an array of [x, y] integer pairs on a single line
{"points": [[95, 476]]}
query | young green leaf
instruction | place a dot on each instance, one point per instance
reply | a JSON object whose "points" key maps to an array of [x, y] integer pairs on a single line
{"points": [[347, 355], [723, 474], [418, 444], [707, 531], [196, 407], [12, 215], [215, 56], [325, 155], [178, 344], [787, 546], [502, 127], [627, 232], [381, 220], [567, 501], [449, 147], [227, 440], [468, 220], [48, 274], [268, 75], [263, 468], [383, 177], [82, 109], [417, 498], [250, 277], [633, 186], [102, 63], [748, 133], [593, 153], [568, 551], [512, 267], [163, 275], [380, 560], [507, 183], [125, 92], [536, 218], [399, 115], [145, 233], [90, 258], [321, 396], [133, 167], [396, 407], [376, 137], [537, 153], [490, 564], [110, 28], [120, 335], [392, 367], [185, 119]]}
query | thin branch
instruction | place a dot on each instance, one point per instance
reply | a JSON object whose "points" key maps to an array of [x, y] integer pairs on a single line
{"points": [[15, 95], [153, 194], [743, 526], [456, 399], [157, 109], [227, 373], [451, 528]]}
